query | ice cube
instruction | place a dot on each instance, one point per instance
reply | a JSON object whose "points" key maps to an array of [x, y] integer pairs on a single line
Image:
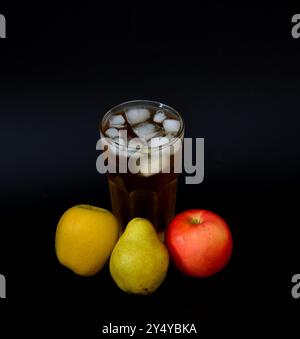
{"points": [[158, 161], [137, 143], [158, 141], [171, 126], [159, 117], [116, 121], [170, 136], [137, 115], [150, 166], [120, 141], [146, 130], [112, 132]]}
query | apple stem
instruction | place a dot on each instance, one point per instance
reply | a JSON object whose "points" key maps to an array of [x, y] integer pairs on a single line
{"points": [[195, 220]]}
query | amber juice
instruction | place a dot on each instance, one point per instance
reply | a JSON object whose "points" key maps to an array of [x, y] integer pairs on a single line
{"points": [[147, 194]]}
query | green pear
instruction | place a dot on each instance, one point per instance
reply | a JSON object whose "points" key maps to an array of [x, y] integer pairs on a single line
{"points": [[139, 261]]}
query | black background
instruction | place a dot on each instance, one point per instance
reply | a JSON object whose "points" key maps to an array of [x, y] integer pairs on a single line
{"points": [[233, 73]]}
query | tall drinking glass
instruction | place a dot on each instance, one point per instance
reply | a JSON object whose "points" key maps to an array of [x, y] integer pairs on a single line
{"points": [[146, 137]]}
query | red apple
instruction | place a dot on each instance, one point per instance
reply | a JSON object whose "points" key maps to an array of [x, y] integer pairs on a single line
{"points": [[199, 242]]}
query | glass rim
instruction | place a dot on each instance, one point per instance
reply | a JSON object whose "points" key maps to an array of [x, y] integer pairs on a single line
{"points": [[155, 104]]}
